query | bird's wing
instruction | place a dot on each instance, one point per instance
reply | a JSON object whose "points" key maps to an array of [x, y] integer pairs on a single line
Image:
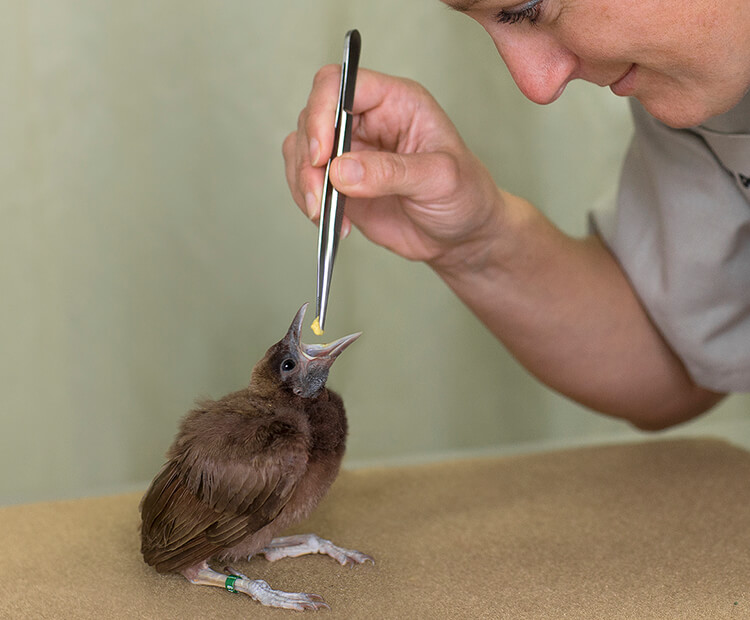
{"points": [[203, 500]]}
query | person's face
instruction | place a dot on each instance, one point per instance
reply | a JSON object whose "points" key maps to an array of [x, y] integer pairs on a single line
{"points": [[684, 60]]}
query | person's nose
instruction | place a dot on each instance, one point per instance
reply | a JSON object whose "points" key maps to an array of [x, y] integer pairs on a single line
{"points": [[539, 65]]}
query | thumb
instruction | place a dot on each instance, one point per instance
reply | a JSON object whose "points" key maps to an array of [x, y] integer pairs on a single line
{"points": [[417, 176]]}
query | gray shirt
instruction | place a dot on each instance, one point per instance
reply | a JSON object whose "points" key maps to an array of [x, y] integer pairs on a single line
{"points": [[681, 231]]}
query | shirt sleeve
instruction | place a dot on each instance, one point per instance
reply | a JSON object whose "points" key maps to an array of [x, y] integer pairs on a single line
{"points": [[680, 228]]}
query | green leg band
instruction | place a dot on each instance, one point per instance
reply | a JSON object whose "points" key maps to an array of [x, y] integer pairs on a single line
{"points": [[229, 583]]}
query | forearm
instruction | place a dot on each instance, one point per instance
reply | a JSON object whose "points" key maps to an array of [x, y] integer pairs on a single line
{"points": [[567, 312]]}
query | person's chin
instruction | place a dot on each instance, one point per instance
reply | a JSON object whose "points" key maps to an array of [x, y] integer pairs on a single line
{"points": [[680, 106], [678, 112]]}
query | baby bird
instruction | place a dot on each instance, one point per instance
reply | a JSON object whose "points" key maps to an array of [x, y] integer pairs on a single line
{"points": [[247, 466]]}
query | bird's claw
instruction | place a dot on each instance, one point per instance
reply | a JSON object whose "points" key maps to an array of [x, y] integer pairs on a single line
{"points": [[302, 544], [352, 558], [299, 601]]}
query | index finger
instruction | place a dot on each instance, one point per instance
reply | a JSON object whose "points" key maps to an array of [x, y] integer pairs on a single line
{"points": [[320, 113]]}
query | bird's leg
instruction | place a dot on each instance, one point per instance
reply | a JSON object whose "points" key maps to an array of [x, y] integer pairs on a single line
{"points": [[303, 544], [202, 575]]}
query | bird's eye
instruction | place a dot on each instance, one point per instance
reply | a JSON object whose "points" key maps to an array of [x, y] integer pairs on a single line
{"points": [[287, 365]]}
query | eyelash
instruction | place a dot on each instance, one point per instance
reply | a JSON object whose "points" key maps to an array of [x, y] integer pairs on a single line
{"points": [[530, 14]]}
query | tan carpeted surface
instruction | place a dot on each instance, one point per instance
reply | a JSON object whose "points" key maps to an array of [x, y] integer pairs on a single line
{"points": [[652, 530]]}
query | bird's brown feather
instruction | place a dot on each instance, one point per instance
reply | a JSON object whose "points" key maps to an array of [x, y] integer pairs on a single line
{"points": [[232, 469]]}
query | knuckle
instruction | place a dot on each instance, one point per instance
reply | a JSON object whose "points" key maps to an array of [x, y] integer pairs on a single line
{"points": [[395, 170], [287, 146], [301, 118], [324, 75], [416, 92], [414, 86], [448, 170]]}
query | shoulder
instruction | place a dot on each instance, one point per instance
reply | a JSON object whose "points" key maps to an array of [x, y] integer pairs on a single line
{"points": [[681, 232]]}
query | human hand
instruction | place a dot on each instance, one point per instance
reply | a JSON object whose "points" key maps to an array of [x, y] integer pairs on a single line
{"points": [[411, 183]]}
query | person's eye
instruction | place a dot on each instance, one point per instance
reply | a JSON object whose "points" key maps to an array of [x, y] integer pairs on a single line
{"points": [[528, 11]]}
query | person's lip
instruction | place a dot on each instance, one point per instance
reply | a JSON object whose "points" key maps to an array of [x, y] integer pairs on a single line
{"points": [[559, 92], [624, 86]]}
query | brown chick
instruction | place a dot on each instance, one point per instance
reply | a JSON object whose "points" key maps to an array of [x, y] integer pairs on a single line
{"points": [[247, 466]]}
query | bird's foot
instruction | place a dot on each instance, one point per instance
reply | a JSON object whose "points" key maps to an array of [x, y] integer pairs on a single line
{"points": [[263, 593], [304, 544], [254, 588]]}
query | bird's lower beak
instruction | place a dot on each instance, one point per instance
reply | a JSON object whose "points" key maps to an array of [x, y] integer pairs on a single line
{"points": [[328, 352]]}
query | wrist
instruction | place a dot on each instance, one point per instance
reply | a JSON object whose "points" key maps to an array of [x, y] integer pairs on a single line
{"points": [[493, 246]]}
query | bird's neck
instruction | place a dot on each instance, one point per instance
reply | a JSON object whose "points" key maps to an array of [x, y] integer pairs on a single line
{"points": [[272, 395]]}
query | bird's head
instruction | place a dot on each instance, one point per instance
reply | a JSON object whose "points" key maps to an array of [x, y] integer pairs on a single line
{"points": [[300, 368]]}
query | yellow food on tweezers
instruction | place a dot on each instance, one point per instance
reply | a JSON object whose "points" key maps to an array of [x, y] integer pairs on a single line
{"points": [[316, 327]]}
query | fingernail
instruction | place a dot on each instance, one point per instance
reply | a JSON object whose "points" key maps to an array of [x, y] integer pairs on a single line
{"points": [[314, 151], [350, 171], [311, 204]]}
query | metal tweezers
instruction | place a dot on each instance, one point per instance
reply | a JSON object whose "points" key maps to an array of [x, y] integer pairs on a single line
{"points": [[332, 203]]}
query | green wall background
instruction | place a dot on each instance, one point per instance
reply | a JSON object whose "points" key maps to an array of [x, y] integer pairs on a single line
{"points": [[150, 252]]}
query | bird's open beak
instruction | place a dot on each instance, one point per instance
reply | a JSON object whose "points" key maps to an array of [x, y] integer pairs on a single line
{"points": [[321, 352]]}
